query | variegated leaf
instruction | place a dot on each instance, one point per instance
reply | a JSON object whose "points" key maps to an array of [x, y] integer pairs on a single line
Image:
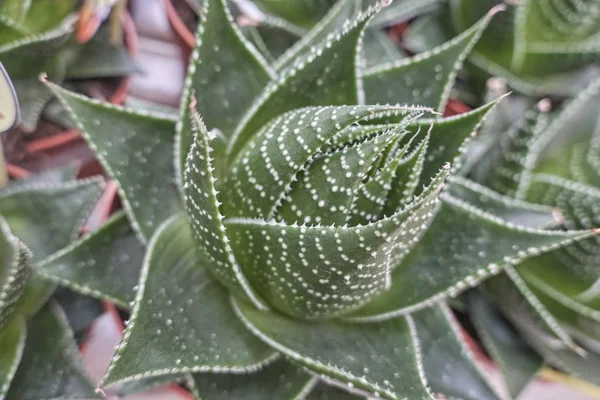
{"points": [[321, 271], [266, 168], [181, 321], [14, 271], [202, 204], [463, 246], [327, 75]]}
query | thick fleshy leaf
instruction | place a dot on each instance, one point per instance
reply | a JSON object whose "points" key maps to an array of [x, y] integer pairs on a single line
{"points": [[572, 271], [535, 331], [136, 149], [391, 368], [448, 364], [376, 193], [225, 74], [279, 380], [47, 217], [105, 264], [335, 18], [182, 321], [267, 167], [325, 191], [50, 366], [463, 246], [304, 13], [202, 204], [506, 208], [425, 79], [54, 175], [404, 10], [14, 271], [318, 271], [12, 342], [449, 138], [517, 361], [326, 392], [79, 310], [379, 48], [327, 75]]}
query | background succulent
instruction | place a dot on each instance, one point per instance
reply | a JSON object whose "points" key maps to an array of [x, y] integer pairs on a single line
{"points": [[36, 36], [293, 235]]}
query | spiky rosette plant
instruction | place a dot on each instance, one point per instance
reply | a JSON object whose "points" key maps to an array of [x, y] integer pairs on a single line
{"points": [[38, 352], [288, 233], [537, 46], [551, 159]]}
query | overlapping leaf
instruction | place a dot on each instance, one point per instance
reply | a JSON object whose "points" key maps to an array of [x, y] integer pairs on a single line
{"points": [[337, 350], [463, 246], [136, 149], [105, 264], [181, 321], [12, 342]]}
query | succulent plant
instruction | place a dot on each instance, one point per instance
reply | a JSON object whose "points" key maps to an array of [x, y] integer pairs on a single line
{"points": [[37, 37], [290, 232], [39, 217], [537, 46], [551, 159]]}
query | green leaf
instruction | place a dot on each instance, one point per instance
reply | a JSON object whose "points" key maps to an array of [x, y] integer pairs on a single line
{"points": [[225, 72], [326, 392], [202, 205], [378, 191], [506, 175], [449, 138], [304, 13], [182, 321], [535, 331], [463, 246], [12, 343], [14, 271], [379, 49], [50, 366], [47, 217], [279, 380], [262, 174], [404, 10], [325, 191], [136, 149], [322, 271], [327, 75], [425, 79], [335, 18], [571, 271], [448, 363], [504, 207], [105, 264], [79, 310], [337, 351], [517, 361], [272, 37]]}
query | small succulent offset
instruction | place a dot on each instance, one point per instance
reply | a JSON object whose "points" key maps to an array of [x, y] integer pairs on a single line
{"points": [[285, 233]]}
